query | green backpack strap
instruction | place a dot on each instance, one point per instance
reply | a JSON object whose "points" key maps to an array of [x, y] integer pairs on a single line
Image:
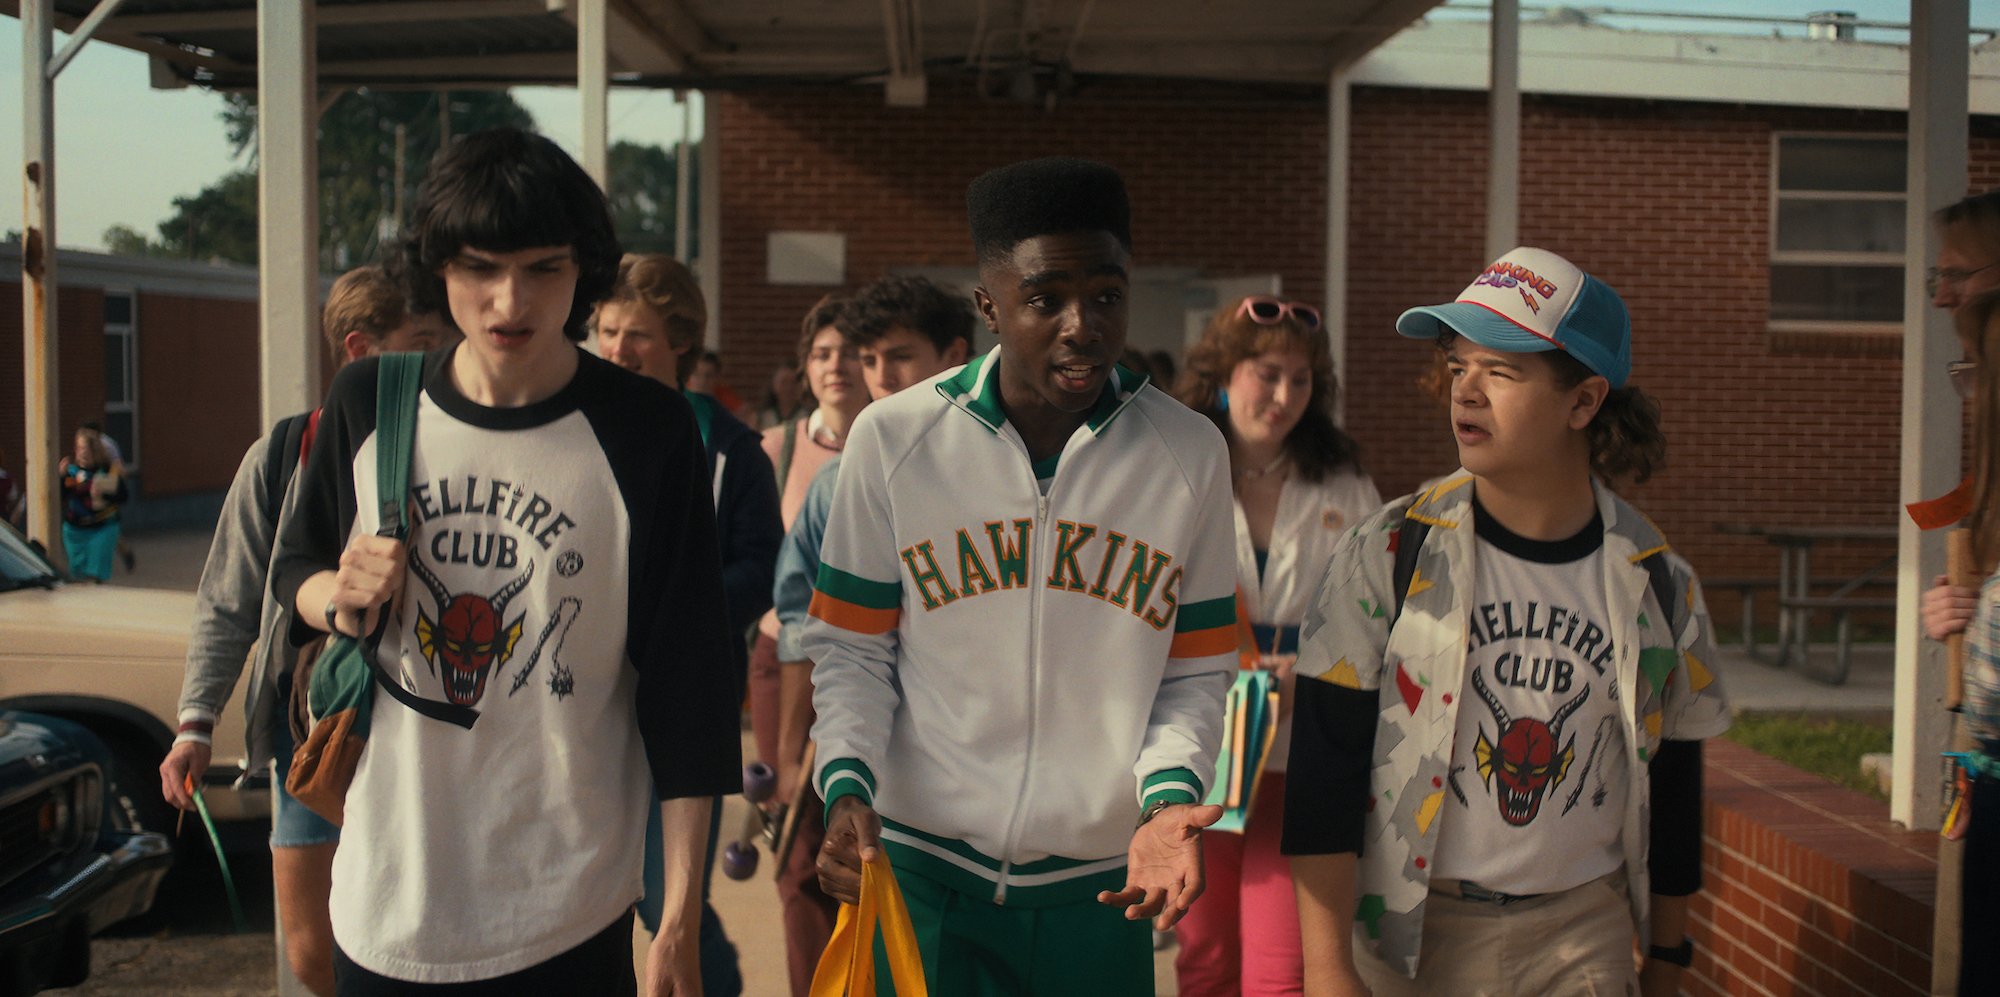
{"points": [[398, 381]]}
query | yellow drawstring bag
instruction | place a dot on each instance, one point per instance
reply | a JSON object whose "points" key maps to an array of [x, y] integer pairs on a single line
{"points": [[847, 967]]}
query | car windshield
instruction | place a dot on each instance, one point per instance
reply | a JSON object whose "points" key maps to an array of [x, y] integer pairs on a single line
{"points": [[20, 566]]}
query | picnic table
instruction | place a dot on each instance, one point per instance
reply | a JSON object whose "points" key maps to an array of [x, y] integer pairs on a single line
{"points": [[1797, 600]]}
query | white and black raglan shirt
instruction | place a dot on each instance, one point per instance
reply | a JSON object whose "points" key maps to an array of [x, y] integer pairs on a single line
{"points": [[1538, 768], [564, 597]]}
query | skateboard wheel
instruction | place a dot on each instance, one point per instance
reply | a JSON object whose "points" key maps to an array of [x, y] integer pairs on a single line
{"points": [[759, 782], [739, 861]]}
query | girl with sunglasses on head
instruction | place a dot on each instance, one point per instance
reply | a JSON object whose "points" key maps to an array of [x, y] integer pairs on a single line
{"points": [[1263, 373]]}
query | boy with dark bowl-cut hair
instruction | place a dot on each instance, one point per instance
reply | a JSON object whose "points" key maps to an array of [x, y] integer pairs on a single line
{"points": [[560, 634], [1024, 622]]}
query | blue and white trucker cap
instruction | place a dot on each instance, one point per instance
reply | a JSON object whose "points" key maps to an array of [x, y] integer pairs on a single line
{"points": [[1533, 301]]}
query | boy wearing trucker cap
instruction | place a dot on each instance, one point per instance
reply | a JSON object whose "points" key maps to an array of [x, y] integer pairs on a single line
{"points": [[1495, 778]]}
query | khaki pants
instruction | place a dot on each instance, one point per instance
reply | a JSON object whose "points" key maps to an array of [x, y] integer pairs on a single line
{"points": [[1578, 942]]}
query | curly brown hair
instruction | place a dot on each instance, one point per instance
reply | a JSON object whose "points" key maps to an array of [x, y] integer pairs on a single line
{"points": [[1316, 446]]}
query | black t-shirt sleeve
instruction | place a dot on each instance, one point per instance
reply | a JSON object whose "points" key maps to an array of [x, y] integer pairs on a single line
{"points": [[1326, 780], [752, 529], [1674, 859], [677, 633], [316, 531]]}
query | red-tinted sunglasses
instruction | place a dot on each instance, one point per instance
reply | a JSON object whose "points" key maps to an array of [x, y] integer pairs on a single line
{"points": [[1271, 311]]}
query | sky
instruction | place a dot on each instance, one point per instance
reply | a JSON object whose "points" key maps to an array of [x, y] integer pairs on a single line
{"points": [[124, 151]]}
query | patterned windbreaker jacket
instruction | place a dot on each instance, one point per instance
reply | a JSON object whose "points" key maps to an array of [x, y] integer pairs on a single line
{"points": [[1419, 671]]}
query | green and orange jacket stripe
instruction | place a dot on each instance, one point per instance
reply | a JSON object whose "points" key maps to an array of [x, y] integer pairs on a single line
{"points": [[851, 602]]}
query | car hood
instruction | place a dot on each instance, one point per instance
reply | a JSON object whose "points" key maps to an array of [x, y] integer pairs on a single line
{"points": [[31, 745], [108, 620]]}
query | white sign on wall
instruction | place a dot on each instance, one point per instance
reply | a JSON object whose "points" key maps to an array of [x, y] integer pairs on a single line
{"points": [[812, 258]]}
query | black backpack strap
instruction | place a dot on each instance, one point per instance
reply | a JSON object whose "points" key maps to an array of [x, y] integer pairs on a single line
{"points": [[281, 461], [1409, 541], [1662, 583]]}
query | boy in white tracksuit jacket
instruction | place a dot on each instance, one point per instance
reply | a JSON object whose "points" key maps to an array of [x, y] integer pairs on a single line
{"points": [[1023, 630]]}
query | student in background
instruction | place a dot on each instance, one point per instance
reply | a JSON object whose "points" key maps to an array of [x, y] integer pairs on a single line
{"points": [[906, 330], [1262, 373], [366, 313]]}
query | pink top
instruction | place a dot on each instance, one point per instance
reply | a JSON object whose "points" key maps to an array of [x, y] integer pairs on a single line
{"points": [[808, 456]]}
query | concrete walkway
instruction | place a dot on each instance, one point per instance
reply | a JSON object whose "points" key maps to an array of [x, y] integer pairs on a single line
{"points": [[1760, 688]]}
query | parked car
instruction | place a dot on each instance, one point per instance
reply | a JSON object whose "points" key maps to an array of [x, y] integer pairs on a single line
{"points": [[110, 659], [71, 861]]}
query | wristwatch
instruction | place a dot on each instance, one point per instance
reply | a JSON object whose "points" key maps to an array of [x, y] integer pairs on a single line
{"points": [[332, 608], [1681, 955], [1152, 811]]}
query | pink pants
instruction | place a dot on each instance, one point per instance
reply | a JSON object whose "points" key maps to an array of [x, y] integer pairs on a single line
{"points": [[1242, 936]]}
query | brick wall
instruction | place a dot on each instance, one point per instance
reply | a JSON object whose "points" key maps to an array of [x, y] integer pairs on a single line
{"points": [[79, 369], [1809, 889], [1668, 202], [197, 363], [198, 401], [1223, 181]]}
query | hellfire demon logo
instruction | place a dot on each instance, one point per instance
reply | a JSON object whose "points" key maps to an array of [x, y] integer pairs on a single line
{"points": [[469, 635], [1525, 759]]}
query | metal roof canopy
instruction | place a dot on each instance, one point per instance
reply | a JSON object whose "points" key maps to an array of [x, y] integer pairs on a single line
{"points": [[720, 44]]}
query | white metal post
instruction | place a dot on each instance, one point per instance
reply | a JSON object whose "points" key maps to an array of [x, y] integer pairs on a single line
{"points": [[593, 81], [710, 270], [38, 275], [1339, 144], [1939, 75], [287, 207], [1931, 411], [1503, 156], [683, 177]]}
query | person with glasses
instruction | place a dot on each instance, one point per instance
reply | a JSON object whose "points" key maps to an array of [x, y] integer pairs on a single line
{"points": [[1978, 324], [1263, 374], [1968, 266], [1968, 260], [1495, 779]]}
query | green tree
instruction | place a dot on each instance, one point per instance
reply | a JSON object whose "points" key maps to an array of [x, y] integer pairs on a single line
{"points": [[124, 240], [358, 162], [218, 223], [643, 181]]}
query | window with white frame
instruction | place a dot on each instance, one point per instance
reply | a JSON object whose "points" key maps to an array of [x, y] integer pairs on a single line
{"points": [[1837, 233], [121, 373]]}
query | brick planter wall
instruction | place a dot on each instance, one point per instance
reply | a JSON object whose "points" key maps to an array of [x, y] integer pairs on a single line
{"points": [[1809, 889]]}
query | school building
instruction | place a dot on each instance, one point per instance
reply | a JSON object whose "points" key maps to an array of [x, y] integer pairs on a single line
{"points": [[1756, 232], [162, 354]]}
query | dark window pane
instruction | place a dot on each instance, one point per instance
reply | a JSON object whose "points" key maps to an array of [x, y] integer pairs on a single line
{"points": [[117, 350], [120, 426], [1841, 226], [1837, 294], [117, 309], [1841, 164]]}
